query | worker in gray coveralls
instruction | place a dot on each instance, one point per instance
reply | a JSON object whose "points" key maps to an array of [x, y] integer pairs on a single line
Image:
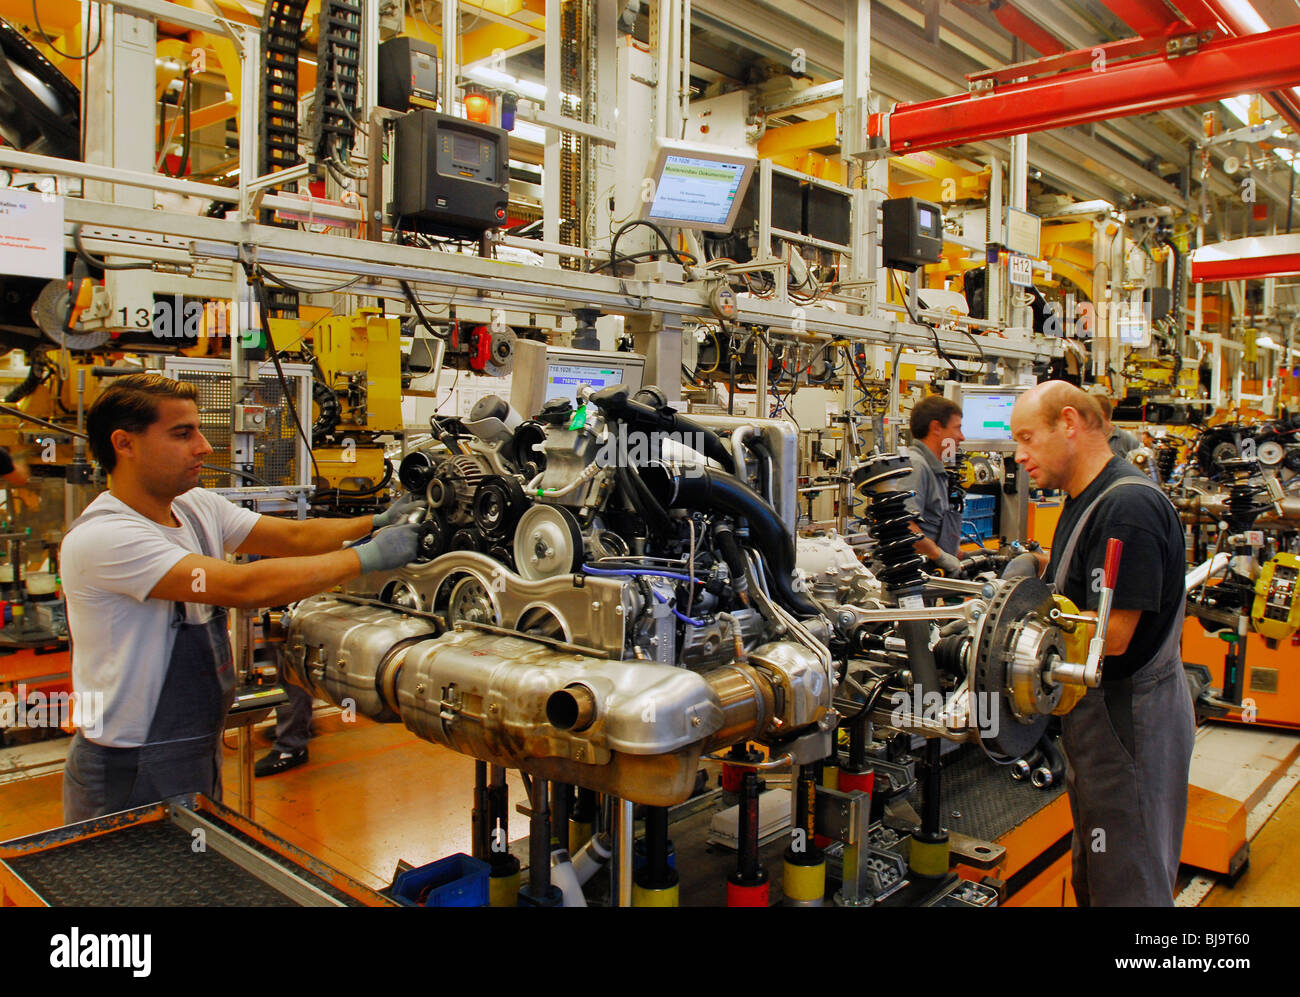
{"points": [[936, 433], [1129, 741]]}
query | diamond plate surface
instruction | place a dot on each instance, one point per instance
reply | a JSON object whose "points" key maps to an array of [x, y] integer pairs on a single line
{"points": [[990, 802], [149, 865]]}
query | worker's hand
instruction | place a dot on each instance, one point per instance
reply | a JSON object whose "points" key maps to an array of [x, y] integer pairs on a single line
{"points": [[389, 548], [1022, 566], [949, 565], [402, 506]]}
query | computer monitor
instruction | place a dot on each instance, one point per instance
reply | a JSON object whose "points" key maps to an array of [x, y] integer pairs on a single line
{"points": [[696, 186], [986, 414], [544, 372]]}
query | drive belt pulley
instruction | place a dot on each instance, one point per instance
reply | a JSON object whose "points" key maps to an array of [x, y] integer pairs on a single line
{"points": [[499, 501]]}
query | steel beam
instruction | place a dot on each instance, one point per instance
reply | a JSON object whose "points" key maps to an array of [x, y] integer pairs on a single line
{"points": [[1218, 69]]}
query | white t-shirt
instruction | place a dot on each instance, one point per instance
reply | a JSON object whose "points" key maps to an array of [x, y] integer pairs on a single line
{"points": [[121, 639]]}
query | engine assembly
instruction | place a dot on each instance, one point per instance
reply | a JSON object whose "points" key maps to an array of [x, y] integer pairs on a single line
{"points": [[608, 593]]}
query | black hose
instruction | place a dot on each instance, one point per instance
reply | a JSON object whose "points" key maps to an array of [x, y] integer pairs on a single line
{"points": [[707, 490], [35, 375], [642, 499], [724, 535], [617, 405], [765, 466]]}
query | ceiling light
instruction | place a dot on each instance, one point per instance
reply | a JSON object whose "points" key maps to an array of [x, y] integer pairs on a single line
{"points": [[1266, 342], [1246, 14]]}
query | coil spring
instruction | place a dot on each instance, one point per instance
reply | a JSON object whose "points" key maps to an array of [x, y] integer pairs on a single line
{"points": [[896, 561]]}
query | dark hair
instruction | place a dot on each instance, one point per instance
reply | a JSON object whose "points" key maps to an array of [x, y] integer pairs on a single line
{"points": [[931, 408], [130, 403]]}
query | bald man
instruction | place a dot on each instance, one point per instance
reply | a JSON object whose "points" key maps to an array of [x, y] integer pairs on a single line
{"points": [[1129, 741]]}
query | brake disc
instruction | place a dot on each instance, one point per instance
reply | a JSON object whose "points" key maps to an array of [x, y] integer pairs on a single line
{"points": [[1015, 620], [51, 309]]}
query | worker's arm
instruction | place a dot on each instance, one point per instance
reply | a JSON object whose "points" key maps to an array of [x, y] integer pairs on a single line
{"points": [[927, 547], [272, 537], [1120, 630], [195, 578]]}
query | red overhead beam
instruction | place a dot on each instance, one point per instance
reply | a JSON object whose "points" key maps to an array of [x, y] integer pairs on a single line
{"points": [[1223, 68], [1146, 17], [1042, 42]]}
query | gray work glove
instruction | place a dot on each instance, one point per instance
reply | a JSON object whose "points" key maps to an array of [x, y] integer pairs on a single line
{"points": [[949, 564], [389, 548], [1021, 566], [402, 506]]}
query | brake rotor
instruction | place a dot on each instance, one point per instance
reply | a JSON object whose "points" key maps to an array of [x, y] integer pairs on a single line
{"points": [[51, 309], [547, 543], [1012, 624]]}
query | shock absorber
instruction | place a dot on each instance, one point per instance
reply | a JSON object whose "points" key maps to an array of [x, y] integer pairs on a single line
{"points": [[896, 562]]}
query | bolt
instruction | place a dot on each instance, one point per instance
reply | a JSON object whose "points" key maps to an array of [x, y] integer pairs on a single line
{"points": [[492, 707], [695, 721], [956, 814]]}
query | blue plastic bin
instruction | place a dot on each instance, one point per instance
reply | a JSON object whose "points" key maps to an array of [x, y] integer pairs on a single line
{"points": [[457, 881], [978, 513]]}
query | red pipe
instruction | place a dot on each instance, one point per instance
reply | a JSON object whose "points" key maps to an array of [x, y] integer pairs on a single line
{"points": [[1266, 61]]}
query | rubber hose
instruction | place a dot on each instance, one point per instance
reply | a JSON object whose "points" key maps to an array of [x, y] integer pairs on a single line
{"points": [[615, 402], [639, 495], [707, 490], [35, 374], [724, 535]]}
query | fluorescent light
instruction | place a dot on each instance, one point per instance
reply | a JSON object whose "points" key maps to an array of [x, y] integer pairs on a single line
{"points": [[1244, 12], [1239, 106]]}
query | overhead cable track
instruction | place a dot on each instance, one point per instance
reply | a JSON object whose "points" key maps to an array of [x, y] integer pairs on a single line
{"points": [[278, 120]]}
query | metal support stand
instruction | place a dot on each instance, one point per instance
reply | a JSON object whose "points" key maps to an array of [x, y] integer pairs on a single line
{"points": [[748, 885], [656, 882], [804, 879], [623, 834], [539, 892]]}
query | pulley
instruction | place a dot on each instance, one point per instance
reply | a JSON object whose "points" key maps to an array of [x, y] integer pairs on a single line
{"points": [[548, 542]]}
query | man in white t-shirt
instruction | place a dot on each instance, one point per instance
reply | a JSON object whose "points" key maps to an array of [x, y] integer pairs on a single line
{"points": [[143, 571]]}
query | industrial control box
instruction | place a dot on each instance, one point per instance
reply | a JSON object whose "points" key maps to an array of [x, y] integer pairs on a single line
{"points": [[408, 73], [450, 176], [913, 233]]}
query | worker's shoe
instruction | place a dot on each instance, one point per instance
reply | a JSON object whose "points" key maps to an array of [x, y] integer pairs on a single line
{"points": [[279, 761]]}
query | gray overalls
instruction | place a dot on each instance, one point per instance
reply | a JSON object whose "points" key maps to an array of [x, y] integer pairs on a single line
{"points": [[1128, 745], [182, 753]]}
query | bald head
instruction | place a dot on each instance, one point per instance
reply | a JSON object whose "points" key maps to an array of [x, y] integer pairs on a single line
{"points": [[1047, 401], [1060, 436]]}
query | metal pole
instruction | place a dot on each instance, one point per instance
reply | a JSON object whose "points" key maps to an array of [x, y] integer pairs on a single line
{"points": [[623, 832], [450, 60], [551, 152]]}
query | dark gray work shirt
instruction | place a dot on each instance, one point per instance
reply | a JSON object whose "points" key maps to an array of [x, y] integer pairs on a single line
{"points": [[938, 519], [1122, 442]]}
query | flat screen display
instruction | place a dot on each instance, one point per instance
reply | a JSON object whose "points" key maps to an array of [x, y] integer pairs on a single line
{"points": [[697, 190], [563, 380], [987, 416], [466, 151]]}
